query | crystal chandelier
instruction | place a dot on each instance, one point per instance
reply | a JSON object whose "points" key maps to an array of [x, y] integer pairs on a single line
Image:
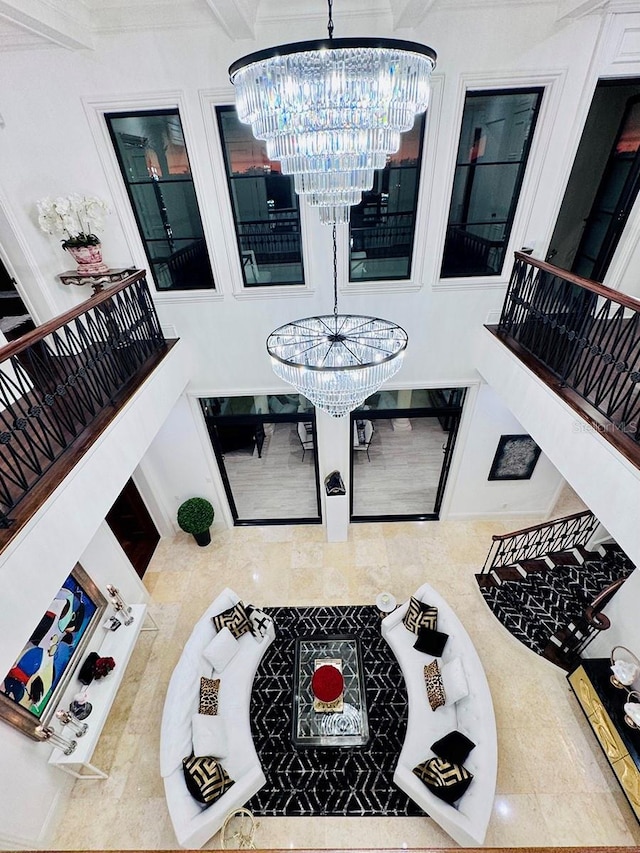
{"points": [[337, 360], [332, 110]]}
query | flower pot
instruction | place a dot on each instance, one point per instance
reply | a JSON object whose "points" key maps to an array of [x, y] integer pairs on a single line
{"points": [[203, 538], [88, 259]]}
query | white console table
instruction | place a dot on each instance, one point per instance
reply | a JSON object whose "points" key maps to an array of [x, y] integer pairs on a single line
{"points": [[118, 645]]}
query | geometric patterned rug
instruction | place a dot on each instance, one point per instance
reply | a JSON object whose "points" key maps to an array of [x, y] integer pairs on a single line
{"points": [[317, 781]]}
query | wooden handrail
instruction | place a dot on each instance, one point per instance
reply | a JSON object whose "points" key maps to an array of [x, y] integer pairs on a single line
{"points": [[50, 326], [498, 536], [592, 613], [587, 284]]}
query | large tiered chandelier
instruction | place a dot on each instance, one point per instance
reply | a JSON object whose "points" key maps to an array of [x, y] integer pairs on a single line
{"points": [[337, 360], [332, 110]]}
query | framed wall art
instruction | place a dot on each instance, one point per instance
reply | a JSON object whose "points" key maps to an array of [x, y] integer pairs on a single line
{"points": [[515, 458], [31, 690]]}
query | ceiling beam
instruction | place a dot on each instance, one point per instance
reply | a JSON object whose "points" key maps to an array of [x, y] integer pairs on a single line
{"points": [[236, 17], [408, 13], [573, 9], [69, 28]]}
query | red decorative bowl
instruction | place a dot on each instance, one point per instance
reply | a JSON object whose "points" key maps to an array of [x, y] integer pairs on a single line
{"points": [[327, 683]]}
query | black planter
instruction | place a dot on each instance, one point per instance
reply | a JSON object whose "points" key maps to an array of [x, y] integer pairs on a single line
{"points": [[203, 538], [87, 670]]}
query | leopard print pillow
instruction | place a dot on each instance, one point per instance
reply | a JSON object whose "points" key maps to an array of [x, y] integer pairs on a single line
{"points": [[433, 683], [209, 688]]}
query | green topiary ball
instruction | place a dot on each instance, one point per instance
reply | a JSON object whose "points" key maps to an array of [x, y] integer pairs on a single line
{"points": [[195, 515]]}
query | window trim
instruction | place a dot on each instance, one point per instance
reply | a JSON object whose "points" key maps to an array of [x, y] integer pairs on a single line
{"points": [[552, 83], [95, 110]]}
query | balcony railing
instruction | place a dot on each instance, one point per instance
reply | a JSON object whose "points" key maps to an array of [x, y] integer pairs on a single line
{"points": [[585, 335], [57, 380]]}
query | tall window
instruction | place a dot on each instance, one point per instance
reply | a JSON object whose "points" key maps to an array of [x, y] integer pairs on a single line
{"points": [[155, 166], [497, 129], [265, 207], [383, 224]]}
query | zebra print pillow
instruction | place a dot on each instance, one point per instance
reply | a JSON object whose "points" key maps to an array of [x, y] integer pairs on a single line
{"points": [[420, 615], [205, 778], [235, 619], [446, 780]]}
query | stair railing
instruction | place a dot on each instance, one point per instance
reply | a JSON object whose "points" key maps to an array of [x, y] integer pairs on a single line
{"points": [[548, 537], [55, 380], [595, 621], [586, 334]]}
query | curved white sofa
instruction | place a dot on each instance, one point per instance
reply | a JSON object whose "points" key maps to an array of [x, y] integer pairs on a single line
{"points": [[467, 821], [193, 824]]}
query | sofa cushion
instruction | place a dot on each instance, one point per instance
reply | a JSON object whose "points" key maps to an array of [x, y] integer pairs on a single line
{"points": [[454, 747], [433, 683], [209, 733], [446, 780], [235, 619], [420, 615], [454, 681], [209, 688], [221, 650], [431, 642], [205, 778], [258, 620]]}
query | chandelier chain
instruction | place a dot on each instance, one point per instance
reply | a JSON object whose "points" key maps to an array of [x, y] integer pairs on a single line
{"points": [[335, 274], [330, 24]]}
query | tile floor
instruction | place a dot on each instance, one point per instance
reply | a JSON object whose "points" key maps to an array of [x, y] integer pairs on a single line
{"points": [[554, 787]]}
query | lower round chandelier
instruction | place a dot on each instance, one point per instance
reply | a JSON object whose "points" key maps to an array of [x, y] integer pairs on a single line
{"points": [[338, 360]]}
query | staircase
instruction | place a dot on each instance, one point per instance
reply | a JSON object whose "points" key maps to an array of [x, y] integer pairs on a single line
{"points": [[551, 602]]}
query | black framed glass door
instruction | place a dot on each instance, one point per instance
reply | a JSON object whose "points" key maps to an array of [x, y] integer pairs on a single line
{"points": [[402, 446], [265, 449]]}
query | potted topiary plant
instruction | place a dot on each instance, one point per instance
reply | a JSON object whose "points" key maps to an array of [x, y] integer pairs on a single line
{"points": [[195, 516]]}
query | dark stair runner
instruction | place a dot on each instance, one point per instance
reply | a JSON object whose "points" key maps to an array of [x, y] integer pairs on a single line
{"points": [[543, 605]]}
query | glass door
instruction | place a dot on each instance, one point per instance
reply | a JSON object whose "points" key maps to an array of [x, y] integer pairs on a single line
{"points": [[402, 445], [265, 449]]}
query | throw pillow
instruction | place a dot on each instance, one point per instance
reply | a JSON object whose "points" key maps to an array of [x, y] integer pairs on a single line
{"points": [[235, 619], [205, 778], [209, 688], [258, 621], [454, 747], [446, 780], [454, 681], [223, 648], [433, 683], [420, 615], [431, 642], [209, 734]]}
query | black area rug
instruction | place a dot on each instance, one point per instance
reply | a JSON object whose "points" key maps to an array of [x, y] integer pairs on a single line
{"points": [[329, 781]]}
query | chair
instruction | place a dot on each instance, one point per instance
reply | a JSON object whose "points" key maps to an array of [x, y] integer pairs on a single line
{"points": [[362, 435], [305, 434]]}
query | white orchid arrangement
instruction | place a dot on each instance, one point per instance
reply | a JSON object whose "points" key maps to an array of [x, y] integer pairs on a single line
{"points": [[76, 217]]}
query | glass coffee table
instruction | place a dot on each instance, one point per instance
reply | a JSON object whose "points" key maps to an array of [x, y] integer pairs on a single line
{"points": [[348, 726]]}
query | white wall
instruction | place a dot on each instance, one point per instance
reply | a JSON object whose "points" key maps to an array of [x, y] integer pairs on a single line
{"points": [[473, 494]]}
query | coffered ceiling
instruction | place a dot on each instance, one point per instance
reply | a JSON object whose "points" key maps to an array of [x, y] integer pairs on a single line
{"points": [[73, 24]]}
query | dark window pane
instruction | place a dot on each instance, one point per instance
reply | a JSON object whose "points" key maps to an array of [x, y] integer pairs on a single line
{"points": [[155, 166], [382, 225], [265, 207], [495, 138]]}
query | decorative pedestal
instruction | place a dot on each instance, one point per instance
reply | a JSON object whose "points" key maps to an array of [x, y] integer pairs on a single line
{"points": [[98, 281]]}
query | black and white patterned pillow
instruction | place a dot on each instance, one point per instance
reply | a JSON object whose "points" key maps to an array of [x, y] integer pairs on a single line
{"points": [[235, 619], [209, 688], [433, 683], [420, 615], [258, 620], [205, 778], [446, 780]]}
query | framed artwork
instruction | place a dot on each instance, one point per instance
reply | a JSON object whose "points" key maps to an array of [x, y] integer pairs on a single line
{"points": [[515, 458], [32, 688]]}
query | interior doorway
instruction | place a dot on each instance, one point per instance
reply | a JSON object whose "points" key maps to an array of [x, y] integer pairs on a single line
{"points": [[133, 527], [603, 185]]}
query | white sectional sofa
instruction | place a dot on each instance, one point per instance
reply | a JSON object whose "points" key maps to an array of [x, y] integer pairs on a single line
{"points": [[194, 824], [473, 715]]}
